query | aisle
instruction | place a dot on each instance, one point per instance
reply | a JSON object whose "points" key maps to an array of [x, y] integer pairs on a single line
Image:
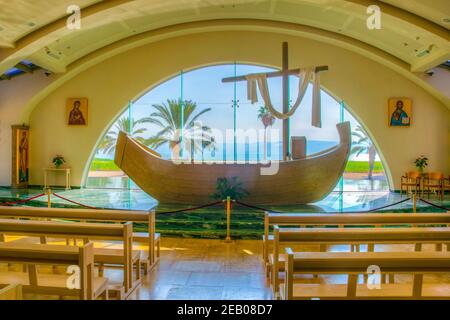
{"points": [[207, 269]]}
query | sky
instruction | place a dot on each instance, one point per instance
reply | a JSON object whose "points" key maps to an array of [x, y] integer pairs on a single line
{"points": [[204, 87]]}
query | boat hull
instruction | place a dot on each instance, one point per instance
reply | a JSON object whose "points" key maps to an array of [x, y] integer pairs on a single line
{"points": [[299, 181]]}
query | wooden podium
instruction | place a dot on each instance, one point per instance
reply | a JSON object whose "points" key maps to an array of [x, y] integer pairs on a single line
{"points": [[298, 145]]}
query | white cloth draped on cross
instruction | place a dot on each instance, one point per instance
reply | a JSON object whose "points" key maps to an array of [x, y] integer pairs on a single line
{"points": [[305, 75]]}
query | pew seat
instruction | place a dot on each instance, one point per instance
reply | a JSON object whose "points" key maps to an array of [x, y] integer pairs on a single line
{"points": [[11, 292], [125, 256], [328, 236], [114, 256], [354, 264], [143, 237], [49, 283], [341, 220], [33, 255], [103, 215], [302, 291]]}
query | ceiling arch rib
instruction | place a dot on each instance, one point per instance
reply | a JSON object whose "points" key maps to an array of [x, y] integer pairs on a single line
{"points": [[38, 39], [138, 40], [53, 47]]}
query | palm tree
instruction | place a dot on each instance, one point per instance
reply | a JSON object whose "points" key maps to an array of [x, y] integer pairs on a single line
{"points": [[267, 120], [364, 144], [167, 116], [108, 143]]}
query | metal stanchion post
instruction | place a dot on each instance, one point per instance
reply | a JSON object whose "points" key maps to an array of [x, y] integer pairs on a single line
{"points": [[48, 191], [228, 212]]}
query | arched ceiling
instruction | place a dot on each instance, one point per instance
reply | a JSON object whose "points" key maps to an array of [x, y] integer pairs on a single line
{"points": [[414, 32]]}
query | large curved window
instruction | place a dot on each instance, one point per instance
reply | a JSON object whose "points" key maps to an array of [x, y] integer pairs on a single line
{"points": [[223, 108]]}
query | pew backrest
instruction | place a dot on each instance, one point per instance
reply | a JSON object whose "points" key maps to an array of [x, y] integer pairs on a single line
{"points": [[101, 215], [349, 219], [84, 230], [53, 255], [355, 263], [11, 292], [353, 236]]}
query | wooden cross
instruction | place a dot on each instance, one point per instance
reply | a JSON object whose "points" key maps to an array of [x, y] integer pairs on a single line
{"points": [[284, 73]]}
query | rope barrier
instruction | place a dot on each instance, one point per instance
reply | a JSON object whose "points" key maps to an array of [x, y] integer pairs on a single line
{"points": [[255, 207], [191, 209], [74, 202], [389, 205], [372, 210], [23, 201], [434, 205]]}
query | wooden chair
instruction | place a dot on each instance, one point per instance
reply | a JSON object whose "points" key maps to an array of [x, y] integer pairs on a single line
{"points": [[410, 181], [329, 236], [433, 183], [355, 263], [91, 287], [11, 292]]}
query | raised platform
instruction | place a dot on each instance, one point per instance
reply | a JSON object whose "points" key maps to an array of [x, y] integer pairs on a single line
{"points": [[210, 222], [347, 201]]}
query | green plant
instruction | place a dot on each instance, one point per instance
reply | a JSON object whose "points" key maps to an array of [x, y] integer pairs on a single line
{"points": [[421, 162], [58, 160], [125, 124], [267, 120], [167, 116], [233, 189]]}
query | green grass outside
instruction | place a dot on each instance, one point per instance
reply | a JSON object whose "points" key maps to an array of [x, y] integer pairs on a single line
{"points": [[104, 165], [352, 166], [362, 166]]}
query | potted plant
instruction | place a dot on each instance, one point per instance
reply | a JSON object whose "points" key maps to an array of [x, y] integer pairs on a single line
{"points": [[233, 189], [421, 162], [58, 160]]}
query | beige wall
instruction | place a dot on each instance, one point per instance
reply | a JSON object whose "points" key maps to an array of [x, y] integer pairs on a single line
{"points": [[364, 85], [14, 96]]}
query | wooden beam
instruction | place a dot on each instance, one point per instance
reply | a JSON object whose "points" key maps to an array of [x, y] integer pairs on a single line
{"points": [[272, 74]]}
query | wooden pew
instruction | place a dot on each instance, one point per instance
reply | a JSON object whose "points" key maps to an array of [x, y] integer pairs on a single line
{"points": [[101, 215], [122, 232], [355, 263], [347, 219], [53, 284], [372, 236], [11, 292]]}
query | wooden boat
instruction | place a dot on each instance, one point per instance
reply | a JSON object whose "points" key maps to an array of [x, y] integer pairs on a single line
{"points": [[299, 181]]}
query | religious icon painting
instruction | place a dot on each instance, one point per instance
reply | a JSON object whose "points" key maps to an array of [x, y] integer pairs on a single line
{"points": [[400, 112], [20, 160], [77, 111]]}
